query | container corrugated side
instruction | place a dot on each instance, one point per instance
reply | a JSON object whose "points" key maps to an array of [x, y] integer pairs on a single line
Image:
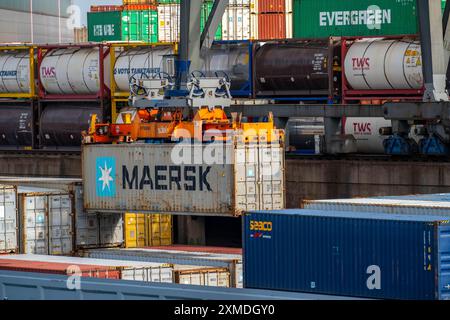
{"points": [[341, 253], [324, 18], [104, 26], [8, 220], [143, 178], [392, 206], [203, 277]]}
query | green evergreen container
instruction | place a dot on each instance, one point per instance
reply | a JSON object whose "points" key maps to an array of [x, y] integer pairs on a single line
{"points": [[135, 25], [324, 18]]}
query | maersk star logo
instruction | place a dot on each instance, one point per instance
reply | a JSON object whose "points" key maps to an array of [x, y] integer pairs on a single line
{"points": [[106, 172]]}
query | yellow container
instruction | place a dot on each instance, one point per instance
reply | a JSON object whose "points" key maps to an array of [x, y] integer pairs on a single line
{"points": [[159, 230], [144, 230]]}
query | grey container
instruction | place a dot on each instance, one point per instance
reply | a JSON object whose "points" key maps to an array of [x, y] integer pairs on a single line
{"points": [[8, 220], [388, 205], [144, 178], [94, 231]]}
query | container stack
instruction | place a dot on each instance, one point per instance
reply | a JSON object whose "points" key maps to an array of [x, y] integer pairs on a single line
{"points": [[275, 19]]}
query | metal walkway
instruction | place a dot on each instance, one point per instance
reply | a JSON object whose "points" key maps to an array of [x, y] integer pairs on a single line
{"points": [[38, 286]]}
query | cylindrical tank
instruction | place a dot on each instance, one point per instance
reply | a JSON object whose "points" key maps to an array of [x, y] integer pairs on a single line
{"points": [[384, 65], [16, 126], [61, 124], [367, 133], [140, 61], [73, 71], [14, 72], [293, 68], [234, 60], [302, 133]]}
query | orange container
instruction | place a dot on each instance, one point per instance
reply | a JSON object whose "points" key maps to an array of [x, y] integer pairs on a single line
{"points": [[272, 26], [272, 6]]}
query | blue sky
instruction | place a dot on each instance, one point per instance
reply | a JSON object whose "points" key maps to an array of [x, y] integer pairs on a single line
{"points": [[86, 4]]}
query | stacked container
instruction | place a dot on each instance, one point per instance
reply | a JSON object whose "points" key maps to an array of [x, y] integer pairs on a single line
{"points": [[274, 19], [8, 220], [240, 21]]}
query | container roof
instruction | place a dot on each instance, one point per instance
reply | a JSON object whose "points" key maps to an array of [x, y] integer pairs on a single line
{"points": [[357, 215], [388, 202]]}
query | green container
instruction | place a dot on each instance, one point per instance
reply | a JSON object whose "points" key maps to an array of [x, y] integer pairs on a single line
{"points": [[104, 26], [324, 18], [206, 10], [135, 25]]}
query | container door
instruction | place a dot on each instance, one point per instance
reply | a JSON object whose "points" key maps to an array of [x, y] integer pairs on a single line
{"points": [[60, 225], [87, 231], [444, 268], [246, 184], [271, 177], [159, 230], [111, 229], [36, 237], [135, 233], [8, 220]]}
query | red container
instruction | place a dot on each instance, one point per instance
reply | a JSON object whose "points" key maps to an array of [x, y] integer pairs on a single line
{"points": [[212, 250], [106, 8], [272, 6], [60, 268], [272, 26], [133, 7]]}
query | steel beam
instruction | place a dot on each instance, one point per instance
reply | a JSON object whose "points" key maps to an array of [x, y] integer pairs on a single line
{"points": [[432, 42], [213, 22], [300, 111], [39, 286]]}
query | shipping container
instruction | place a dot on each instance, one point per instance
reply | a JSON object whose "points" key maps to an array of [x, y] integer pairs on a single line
{"points": [[47, 223], [203, 257], [90, 271], [202, 276], [347, 253], [169, 23], [146, 230], [240, 21], [80, 35], [8, 220], [125, 270], [275, 19], [142, 178], [128, 25], [324, 18], [392, 206]]}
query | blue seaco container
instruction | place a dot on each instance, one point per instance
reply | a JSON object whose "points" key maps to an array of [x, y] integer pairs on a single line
{"points": [[372, 255]]}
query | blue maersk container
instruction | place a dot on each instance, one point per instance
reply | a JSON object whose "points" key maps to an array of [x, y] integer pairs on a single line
{"points": [[373, 255]]}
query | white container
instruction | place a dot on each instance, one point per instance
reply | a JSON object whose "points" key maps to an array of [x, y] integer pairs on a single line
{"points": [[141, 61], [378, 205], [169, 23], [240, 21], [15, 72], [47, 220], [163, 274], [86, 224], [73, 71], [8, 220], [201, 276], [168, 178], [384, 65]]}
